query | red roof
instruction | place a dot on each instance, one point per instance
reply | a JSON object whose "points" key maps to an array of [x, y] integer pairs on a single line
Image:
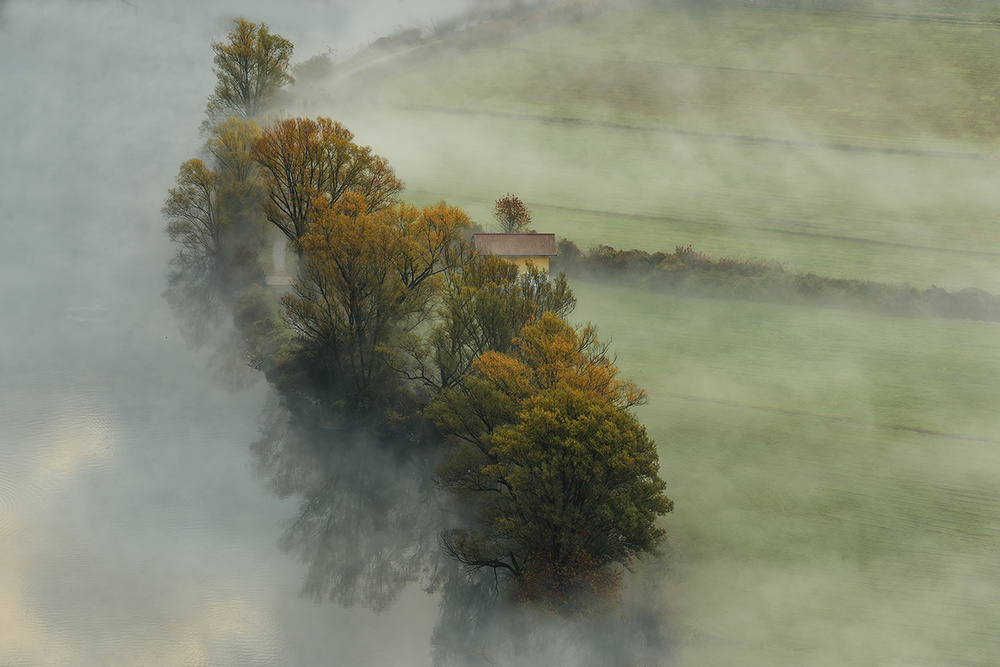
{"points": [[516, 245]]}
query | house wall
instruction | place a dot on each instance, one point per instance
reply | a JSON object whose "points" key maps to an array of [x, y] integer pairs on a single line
{"points": [[522, 262]]}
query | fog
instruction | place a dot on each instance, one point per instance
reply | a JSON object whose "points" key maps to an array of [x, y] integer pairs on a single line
{"points": [[834, 472], [135, 530], [151, 509]]}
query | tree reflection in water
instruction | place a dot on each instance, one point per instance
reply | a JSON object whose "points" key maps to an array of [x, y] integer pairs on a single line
{"points": [[478, 627], [202, 304], [369, 518], [368, 526], [196, 298]]}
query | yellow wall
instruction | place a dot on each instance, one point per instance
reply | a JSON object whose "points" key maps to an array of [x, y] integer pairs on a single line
{"points": [[522, 262]]}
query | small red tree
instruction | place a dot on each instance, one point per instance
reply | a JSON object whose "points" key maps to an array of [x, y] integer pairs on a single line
{"points": [[511, 213]]}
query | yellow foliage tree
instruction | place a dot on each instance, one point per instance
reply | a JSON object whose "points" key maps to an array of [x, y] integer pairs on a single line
{"points": [[232, 145], [564, 478], [483, 307], [251, 67], [194, 217], [304, 161], [240, 188], [369, 278]]}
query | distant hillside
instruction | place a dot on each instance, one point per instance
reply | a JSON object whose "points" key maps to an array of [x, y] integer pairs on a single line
{"points": [[851, 140], [857, 72]]}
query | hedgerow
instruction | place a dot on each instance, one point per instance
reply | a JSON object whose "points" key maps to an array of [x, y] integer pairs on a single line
{"points": [[689, 272]]}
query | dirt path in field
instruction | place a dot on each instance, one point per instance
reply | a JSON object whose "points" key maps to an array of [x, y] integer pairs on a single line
{"points": [[279, 278]]}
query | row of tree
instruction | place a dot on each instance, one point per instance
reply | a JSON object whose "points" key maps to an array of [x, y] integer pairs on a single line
{"points": [[393, 317]]}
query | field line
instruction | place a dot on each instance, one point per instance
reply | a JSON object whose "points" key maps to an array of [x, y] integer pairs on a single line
{"points": [[654, 129], [768, 230], [832, 418], [902, 18], [648, 217], [682, 65]]}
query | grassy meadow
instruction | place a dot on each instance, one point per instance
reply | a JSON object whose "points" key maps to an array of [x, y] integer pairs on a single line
{"points": [[835, 473]]}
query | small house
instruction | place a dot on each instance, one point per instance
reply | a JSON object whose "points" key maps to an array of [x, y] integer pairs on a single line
{"points": [[519, 249]]}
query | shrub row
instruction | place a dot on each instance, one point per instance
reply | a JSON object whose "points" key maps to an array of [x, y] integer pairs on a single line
{"points": [[694, 273]]}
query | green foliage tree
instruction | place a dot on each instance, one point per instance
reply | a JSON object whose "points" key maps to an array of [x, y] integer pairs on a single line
{"points": [[268, 343], [564, 478], [511, 214], [303, 161], [251, 67]]}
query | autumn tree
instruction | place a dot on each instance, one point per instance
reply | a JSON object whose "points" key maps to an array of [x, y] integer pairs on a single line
{"points": [[304, 161], [240, 188], [511, 214], [199, 281], [231, 144], [483, 307], [564, 478], [194, 216], [370, 277], [251, 67]]}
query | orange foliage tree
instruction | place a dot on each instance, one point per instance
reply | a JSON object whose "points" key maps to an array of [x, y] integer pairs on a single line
{"points": [[511, 214], [563, 476], [370, 276], [483, 307], [251, 68], [304, 161]]}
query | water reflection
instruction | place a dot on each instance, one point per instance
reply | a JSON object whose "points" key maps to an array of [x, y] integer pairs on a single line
{"points": [[367, 527], [202, 304], [477, 625], [197, 300], [369, 518]]}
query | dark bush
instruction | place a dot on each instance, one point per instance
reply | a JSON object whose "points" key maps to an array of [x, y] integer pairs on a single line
{"points": [[569, 257], [970, 303], [691, 272], [252, 307], [243, 269]]}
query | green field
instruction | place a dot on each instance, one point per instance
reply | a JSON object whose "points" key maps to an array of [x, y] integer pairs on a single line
{"points": [[835, 478], [835, 473], [746, 131]]}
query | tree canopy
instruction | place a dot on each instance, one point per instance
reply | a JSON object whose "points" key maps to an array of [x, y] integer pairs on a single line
{"points": [[483, 307], [369, 278], [392, 308], [251, 67], [564, 478], [232, 144], [303, 160]]}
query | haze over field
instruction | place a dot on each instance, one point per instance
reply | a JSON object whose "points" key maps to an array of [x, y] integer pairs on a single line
{"points": [[835, 472], [134, 530]]}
